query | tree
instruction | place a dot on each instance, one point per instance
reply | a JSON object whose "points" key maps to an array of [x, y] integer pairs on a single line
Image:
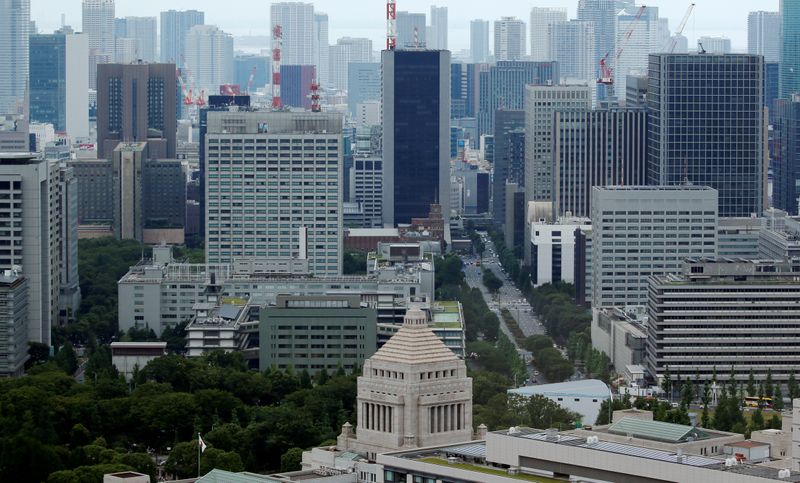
{"points": [[769, 386], [666, 383], [537, 342], [37, 353], [224, 460], [705, 419], [491, 281], [687, 394], [794, 388], [751, 384], [182, 460], [66, 359], [777, 400], [291, 459], [354, 263]]}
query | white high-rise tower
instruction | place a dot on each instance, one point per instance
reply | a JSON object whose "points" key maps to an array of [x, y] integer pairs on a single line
{"points": [[14, 40]]}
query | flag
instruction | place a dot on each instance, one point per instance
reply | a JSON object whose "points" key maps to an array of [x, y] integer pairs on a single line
{"points": [[201, 443]]}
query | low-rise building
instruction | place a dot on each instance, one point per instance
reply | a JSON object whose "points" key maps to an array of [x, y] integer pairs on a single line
{"points": [[128, 357], [621, 334], [553, 249], [13, 323], [583, 397]]}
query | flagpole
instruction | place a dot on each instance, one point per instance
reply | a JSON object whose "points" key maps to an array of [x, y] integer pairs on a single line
{"points": [[199, 450]]}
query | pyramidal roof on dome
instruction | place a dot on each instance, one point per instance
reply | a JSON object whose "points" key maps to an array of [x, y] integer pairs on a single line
{"points": [[414, 343]]}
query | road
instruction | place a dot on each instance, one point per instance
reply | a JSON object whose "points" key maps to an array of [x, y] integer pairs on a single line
{"points": [[508, 297]]}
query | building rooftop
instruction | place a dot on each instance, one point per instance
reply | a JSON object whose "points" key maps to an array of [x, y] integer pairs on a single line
{"points": [[657, 430], [581, 388], [414, 344], [373, 232]]}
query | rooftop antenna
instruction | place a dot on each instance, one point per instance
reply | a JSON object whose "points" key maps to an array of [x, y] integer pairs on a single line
{"points": [[315, 106], [416, 37], [391, 25], [700, 50], [277, 43]]}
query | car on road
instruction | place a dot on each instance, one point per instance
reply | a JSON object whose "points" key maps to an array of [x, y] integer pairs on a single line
{"points": [[535, 373]]}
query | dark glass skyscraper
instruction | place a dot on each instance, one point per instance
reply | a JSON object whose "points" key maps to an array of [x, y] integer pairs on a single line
{"points": [[416, 133], [790, 48], [787, 155], [706, 126], [296, 83], [508, 160], [48, 79]]}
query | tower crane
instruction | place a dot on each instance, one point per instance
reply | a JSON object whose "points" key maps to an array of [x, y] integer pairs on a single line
{"points": [[681, 26], [250, 79], [607, 71]]}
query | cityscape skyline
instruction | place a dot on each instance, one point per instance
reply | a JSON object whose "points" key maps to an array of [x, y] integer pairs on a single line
{"points": [[710, 17]]}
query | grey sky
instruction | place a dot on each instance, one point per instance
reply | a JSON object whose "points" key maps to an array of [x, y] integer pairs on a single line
{"points": [[365, 18]]}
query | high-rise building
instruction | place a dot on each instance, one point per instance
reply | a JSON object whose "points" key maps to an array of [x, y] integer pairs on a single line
{"points": [[321, 49], [346, 51], [70, 290], [33, 190], [762, 38], [786, 178], [364, 82], [604, 15], [790, 48], [600, 147], [125, 50], [699, 316], [640, 37], [772, 72], [15, 24], [59, 69], [541, 20], [465, 90], [297, 24], [296, 83], [503, 87], [137, 103], [714, 45], [437, 33], [479, 41], [411, 30], [276, 208], [98, 25], [209, 56], [509, 39], [127, 187], [174, 27], [706, 126], [143, 30], [506, 122], [553, 257], [540, 104], [416, 134], [644, 231], [13, 324], [366, 187], [571, 46]]}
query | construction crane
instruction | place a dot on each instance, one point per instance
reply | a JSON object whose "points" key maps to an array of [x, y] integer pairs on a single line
{"points": [[277, 45], [185, 91], [607, 71], [391, 25], [250, 79], [681, 26]]}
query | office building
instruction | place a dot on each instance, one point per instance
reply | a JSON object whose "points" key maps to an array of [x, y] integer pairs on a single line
{"points": [[514, 227], [317, 333], [644, 231], [437, 32], [174, 27], [465, 90], [143, 30], [740, 237], [95, 189], [347, 50], [15, 25], [411, 364], [541, 20], [635, 91], [621, 334], [275, 211], [712, 131], [786, 161], [69, 290], [137, 103], [640, 36], [364, 82], [321, 47], [98, 25], [296, 83], [507, 159], [257, 67], [368, 113], [736, 314], [479, 41], [33, 187], [780, 238], [602, 147], [509, 39], [503, 87], [416, 130], [790, 48], [125, 50], [714, 45], [13, 323], [366, 188], [540, 104], [771, 87], [553, 249], [59, 69], [762, 38], [603, 13], [298, 28], [209, 56], [129, 358], [128, 191], [411, 30], [571, 46]]}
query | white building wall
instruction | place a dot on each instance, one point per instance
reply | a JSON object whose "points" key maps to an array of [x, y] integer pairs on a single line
{"points": [[77, 78]]}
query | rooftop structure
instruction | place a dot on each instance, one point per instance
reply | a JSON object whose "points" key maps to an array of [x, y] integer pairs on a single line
{"points": [[583, 397]]}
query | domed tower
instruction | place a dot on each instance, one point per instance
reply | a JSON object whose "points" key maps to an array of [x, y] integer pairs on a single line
{"points": [[414, 392]]}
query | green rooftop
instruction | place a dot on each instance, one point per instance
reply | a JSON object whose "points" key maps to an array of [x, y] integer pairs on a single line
{"points": [[489, 470], [656, 430], [446, 315]]}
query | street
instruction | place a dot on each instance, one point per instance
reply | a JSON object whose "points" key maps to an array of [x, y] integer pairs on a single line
{"points": [[508, 297]]}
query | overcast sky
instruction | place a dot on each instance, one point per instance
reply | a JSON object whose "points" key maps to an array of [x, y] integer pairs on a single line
{"points": [[366, 18]]}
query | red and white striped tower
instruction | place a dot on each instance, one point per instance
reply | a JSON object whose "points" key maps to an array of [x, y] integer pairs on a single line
{"points": [[315, 104], [277, 43], [391, 25]]}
